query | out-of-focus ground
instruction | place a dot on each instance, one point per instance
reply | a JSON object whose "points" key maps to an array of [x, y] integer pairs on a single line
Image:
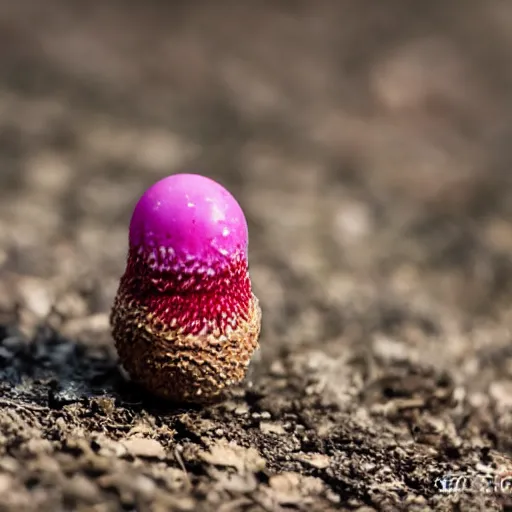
{"points": [[370, 145]]}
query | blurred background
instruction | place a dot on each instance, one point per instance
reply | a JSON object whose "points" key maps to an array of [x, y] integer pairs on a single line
{"points": [[370, 145], [368, 142]]}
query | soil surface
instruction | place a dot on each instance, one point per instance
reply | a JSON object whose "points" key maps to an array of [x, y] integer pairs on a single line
{"points": [[369, 144]]}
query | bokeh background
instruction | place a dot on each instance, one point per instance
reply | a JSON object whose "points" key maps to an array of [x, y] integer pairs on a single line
{"points": [[368, 142]]}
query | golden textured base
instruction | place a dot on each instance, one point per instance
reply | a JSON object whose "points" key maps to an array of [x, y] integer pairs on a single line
{"points": [[179, 367]]}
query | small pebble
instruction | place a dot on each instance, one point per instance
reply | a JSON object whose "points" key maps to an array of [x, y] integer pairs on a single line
{"points": [[142, 447]]}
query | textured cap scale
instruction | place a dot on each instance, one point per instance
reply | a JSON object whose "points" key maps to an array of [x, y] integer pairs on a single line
{"points": [[185, 320]]}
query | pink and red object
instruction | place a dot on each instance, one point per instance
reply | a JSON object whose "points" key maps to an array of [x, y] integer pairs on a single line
{"points": [[186, 291]]}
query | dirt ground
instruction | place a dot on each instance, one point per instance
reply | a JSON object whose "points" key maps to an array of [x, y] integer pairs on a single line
{"points": [[369, 143]]}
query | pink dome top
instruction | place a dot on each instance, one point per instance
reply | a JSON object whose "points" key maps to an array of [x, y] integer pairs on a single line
{"points": [[187, 217]]}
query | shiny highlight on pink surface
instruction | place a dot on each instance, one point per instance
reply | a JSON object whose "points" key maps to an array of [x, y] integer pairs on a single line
{"points": [[185, 218], [185, 321]]}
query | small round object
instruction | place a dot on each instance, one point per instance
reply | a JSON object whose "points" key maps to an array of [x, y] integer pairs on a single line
{"points": [[185, 320], [192, 216]]}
